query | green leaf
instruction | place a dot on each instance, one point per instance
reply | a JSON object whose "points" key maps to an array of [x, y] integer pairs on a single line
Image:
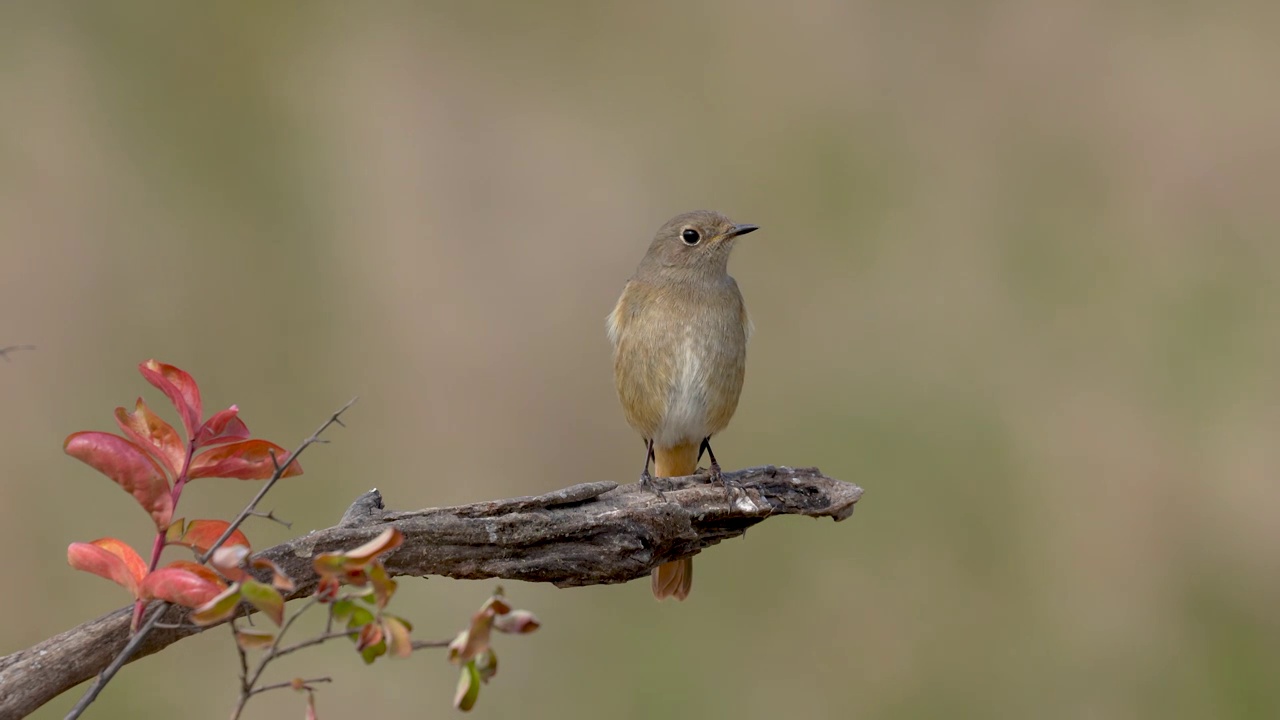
{"points": [[342, 609], [359, 617], [382, 584], [219, 608], [264, 597], [468, 688]]}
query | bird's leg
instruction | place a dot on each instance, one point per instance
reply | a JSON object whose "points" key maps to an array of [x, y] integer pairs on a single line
{"points": [[646, 480], [716, 475]]}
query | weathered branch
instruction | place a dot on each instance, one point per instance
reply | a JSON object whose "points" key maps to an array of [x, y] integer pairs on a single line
{"points": [[590, 534]]}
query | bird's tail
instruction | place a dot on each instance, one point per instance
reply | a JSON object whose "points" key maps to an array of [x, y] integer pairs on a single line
{"points": [[674, 579]]}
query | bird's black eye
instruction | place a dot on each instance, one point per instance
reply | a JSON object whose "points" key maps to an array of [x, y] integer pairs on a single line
{"points": [[690, 236]]}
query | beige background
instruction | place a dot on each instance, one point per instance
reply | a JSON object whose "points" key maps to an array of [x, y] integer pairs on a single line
{"points": [[1018, 276]]}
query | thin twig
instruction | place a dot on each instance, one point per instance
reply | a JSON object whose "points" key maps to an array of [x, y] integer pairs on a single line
{"points": [[424, 644], [246, 688], [244, 657], [275, 476], [311, 642], [282, 685], [123, 657], [271, 515], [4, 351]]}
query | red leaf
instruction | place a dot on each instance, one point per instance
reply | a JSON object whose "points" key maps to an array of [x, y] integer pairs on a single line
{"points": [[179, 387], [225, 426], [279, 580], [150, 431], [180, 586], [111, 559], [196, 568], [200, 535], [129, 466], [244, 460], [370, 635], [327, 589]]}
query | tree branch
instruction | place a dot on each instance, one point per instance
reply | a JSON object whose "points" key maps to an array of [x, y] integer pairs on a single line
{"points": [[590, 534]]}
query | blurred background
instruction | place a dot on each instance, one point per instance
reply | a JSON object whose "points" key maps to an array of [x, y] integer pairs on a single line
{"points": [[1018, 277]]}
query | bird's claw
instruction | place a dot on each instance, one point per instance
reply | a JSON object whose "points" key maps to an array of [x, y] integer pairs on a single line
{"points": [[717, 477], [647, 483]]}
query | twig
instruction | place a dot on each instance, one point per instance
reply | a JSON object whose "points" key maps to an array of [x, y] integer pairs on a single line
{"points": [[275, 476], [311, 642], [246, 687], [291, 684], [105, 676], [425, 644], [271, 515], [4, 351]]}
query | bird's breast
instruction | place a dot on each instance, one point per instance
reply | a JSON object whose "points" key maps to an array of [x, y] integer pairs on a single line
{"points": [[679, 367]]}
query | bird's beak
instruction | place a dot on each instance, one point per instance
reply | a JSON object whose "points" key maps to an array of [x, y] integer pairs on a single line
{"points": [[742, 230]]}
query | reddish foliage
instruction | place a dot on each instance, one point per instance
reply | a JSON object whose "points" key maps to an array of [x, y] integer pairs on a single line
{"points": [[243, 460], [153, 462], [129, 466]]}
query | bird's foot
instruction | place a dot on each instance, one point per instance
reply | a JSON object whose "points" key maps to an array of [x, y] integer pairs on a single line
{"points": [[729, 486], [647, 483]]}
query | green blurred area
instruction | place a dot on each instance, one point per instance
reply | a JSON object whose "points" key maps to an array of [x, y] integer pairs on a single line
{"points": [[1018, 277]]}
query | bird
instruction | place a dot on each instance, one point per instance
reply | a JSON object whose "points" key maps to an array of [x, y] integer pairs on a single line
{"points": [[679, 333]]}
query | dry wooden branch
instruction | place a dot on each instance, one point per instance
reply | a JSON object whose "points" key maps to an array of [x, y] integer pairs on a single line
{"points": [[590, 534]]}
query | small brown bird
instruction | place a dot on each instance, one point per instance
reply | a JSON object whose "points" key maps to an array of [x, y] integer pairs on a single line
{"points": [[679, 334]]}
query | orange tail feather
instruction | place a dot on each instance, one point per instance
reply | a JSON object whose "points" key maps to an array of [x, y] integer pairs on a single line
{"points": [[674, 579]]}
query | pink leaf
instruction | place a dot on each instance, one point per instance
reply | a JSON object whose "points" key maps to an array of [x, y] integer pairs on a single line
{"points": [[224, 427], [196, 568], [111, 559], [229, 560], [244, 460], [399, 643], [518, 622], [129, 466], [180, 586], [474, 640], [150, 431], [179, 387]]}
